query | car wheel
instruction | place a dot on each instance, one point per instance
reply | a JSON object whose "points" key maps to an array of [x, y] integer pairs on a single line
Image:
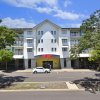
{"points": [[35, 72], [46, 71]]}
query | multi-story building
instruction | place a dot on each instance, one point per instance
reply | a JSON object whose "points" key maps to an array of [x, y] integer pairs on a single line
{"points": [[44, 45]]}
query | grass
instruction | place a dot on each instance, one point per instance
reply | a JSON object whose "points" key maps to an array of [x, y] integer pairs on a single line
{"points": [[23, 86], [47, 85]]}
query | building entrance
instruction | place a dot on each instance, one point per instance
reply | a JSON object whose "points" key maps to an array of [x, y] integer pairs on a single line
{"points": [[46, 64]]}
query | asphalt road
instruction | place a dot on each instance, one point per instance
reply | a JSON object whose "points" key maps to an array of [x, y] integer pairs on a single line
{"points": [[49, 77], [68, 95]]}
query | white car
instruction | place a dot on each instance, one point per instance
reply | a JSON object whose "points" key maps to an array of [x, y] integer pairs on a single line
{"points": [[40, 69]]}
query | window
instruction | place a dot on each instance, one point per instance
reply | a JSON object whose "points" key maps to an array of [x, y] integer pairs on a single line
{"points": [[41, 49], [55, 49], [41, 40], [51, 40], [29, 41], [55, 40], [38, 32], [64, 40], [41, 32], [51, 49], [64, 32], [54, 32], [64, 49], [29, 50], [29, 32]]}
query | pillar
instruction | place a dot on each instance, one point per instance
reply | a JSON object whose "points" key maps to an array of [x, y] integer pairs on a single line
{"points": [[33, 63]]}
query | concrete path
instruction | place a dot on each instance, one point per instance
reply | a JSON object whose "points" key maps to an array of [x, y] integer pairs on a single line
{"points": [[71, 86]]}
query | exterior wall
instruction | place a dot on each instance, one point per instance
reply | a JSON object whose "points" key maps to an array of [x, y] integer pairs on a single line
{"points": [[39, 62], [28, 55], [64, 54], [47, 36]]}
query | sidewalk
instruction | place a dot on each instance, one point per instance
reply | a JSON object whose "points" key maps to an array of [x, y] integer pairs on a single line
{"points": [[54, 70]]}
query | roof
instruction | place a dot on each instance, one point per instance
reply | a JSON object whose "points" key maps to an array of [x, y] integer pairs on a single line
{"points": [[46, 21]]}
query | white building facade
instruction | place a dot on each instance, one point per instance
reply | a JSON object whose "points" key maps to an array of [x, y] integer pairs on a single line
{"points": [[44, 45]]}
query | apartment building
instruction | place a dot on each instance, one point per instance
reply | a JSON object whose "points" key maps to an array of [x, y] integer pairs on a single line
{"points": [[44, 45]]}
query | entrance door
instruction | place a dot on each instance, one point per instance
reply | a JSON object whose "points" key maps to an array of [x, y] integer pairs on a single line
{"points": [[46, 64]]}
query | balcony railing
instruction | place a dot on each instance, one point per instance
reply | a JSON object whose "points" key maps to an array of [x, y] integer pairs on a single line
{"points": [[18, 53], [18, 44], [75, 36]]}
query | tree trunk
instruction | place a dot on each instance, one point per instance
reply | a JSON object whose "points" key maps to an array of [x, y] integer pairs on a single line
{"points": [[6, 65]]}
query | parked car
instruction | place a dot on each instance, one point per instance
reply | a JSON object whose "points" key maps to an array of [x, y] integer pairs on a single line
{"points": [[41, 69]]}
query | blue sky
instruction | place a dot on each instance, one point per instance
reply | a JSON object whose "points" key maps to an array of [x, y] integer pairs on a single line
{"points": [[28, 13]]}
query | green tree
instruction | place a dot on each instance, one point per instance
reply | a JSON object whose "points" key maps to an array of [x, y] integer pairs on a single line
{"points": [[91, 39], [7, 37], [6, 56]]}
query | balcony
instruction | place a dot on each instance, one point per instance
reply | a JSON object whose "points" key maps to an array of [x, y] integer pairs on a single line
{"points": [[18, 53], [18, 45]]}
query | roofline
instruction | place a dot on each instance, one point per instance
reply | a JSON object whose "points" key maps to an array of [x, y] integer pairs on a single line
{"points": [[44, 22]]}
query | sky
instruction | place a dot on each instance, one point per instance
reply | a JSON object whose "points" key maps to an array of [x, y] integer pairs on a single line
{"points": [[29, 13]]}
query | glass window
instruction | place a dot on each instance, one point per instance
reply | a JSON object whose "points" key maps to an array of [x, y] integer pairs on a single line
{"points": [[29, 50], [29, 41], [29, 32], [38, 32], [41, 40], [64, 32], [41, 49], [41, 32], [51, 40], [64, 40], [54, 32], [64, 49], [55, 49], [55, 40], [51, 49]]}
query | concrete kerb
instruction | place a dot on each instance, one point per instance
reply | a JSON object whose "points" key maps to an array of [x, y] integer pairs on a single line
{"points": [[21, 90], [58, 70]]}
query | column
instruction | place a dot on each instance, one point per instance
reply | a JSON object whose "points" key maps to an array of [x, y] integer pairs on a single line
{"points": [[69, 65], [33, 63], [16, 63], [62, 63], [26, 63]]}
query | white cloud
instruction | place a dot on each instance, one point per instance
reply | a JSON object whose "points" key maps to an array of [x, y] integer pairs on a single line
{"points": [[16, 23], [44, 10], [31, 3], [67, 2], [66, 15], [48, 7]]}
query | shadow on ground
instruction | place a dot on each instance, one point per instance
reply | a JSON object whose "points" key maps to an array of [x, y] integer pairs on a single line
{"points": [[90, 84], [6, 81]]}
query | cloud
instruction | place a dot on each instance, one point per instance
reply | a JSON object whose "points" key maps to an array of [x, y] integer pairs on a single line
{"points": [[44, 10], [47, 7], [66, 15], [16, 23], [67, 2], [31, 3]]}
